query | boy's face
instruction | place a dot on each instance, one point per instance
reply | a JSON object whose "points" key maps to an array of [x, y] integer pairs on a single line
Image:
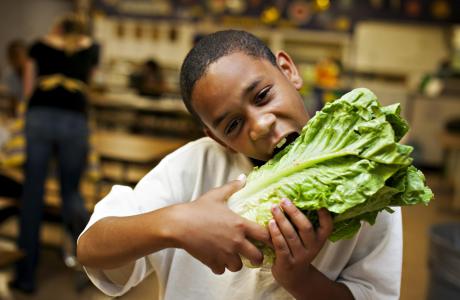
{"points": [[249, 105]]}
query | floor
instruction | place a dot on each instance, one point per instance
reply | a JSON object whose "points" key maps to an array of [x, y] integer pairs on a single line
{"points": [[58, 282]]}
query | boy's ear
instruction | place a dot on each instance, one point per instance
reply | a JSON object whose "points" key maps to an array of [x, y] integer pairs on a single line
{"points": [[211, 135], [289, 69]]}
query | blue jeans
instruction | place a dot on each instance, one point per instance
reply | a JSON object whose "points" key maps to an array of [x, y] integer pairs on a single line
{"points": [[63, 135]]}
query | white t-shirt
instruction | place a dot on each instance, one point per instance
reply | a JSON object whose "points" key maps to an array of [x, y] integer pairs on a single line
{"points": [[369, 263]]}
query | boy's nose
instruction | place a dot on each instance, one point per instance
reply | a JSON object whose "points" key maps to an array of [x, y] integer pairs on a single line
{"points": [[262, 126]]}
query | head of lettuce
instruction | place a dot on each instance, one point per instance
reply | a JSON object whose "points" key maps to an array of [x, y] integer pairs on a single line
{"points": [[347, 159]]}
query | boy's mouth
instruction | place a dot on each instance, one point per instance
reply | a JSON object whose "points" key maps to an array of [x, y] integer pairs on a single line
{"points": [[284, 142]]}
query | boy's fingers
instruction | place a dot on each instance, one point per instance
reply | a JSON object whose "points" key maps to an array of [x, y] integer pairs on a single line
{"points": [[256, 232], [303, 226], [325, 225], [279, 243], [218, 269], [252, 253], [234, 263]]}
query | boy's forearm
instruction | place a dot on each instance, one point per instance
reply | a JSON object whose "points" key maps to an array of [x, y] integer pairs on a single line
{"points": [[116, 241], [318, 286]]}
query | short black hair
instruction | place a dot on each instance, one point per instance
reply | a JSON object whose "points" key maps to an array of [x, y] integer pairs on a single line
{"points": [[212, 47]]}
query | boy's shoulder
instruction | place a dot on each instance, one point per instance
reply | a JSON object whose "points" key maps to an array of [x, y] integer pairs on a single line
{"points": [[201, 145], [197, 150], [205, 152]]}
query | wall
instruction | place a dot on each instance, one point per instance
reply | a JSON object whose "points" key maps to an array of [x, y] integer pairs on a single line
{"points": [[128, 46], [403, 49], [27, 19]]}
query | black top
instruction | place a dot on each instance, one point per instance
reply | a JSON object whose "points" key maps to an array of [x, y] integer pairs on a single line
{"points": [[51, 61]]}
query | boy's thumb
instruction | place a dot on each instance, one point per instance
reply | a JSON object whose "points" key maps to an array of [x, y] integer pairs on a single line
{"points": [[233, 186]]}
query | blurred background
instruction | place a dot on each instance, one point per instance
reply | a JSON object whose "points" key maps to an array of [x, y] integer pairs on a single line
{"points": [[405, 51]]}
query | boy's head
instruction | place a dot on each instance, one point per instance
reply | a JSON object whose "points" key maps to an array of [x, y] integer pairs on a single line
{"points": [[212, 47], [246, 97]]}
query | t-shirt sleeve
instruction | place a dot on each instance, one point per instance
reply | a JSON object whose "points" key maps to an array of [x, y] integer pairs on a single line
{"points": [[374, 270], [118, 203], [181, 177], [153, 192]]}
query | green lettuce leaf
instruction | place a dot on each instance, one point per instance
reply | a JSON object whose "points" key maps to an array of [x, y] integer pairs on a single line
{"points": [[347, 159]]}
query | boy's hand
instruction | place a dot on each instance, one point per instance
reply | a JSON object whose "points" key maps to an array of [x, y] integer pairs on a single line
{"points": [[296, 244], [215, 235]]}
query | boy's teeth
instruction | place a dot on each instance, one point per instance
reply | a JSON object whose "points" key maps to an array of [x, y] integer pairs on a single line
{"points": [[281, 143]]}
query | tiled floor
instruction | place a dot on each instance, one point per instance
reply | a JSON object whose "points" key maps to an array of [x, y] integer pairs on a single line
{"points": [[58, 282]]}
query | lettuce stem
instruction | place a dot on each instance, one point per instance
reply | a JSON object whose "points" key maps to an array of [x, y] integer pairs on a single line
{"points": [[258, 185]]}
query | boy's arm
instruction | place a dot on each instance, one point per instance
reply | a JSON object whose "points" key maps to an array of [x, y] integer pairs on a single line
{"points": [[205, 228], [317, 286], [296, 245], [116, 241]]}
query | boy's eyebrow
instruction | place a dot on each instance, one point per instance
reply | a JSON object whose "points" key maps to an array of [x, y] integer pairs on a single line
{"points": [[247, 90], [251, 86], [219, 119]]}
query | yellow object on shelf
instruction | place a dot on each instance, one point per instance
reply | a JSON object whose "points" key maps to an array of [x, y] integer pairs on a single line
{"points": [[327, 73]]}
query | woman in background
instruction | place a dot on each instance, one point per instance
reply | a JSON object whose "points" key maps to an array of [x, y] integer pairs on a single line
{"points": [[56, 79]]}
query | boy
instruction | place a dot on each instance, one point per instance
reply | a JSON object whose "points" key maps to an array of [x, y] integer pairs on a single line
{"points": [[176, 222]]}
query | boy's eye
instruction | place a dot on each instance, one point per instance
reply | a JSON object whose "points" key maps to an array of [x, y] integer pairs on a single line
{"points": [[261, 97], [232, 126]]}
